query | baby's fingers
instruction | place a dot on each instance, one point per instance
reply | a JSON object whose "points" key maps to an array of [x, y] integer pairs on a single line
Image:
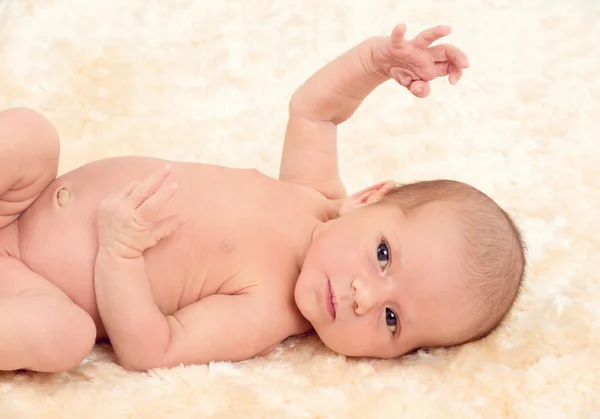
{"points": [[148, 186], [128, 188], [150, 208], [429, 36], [166, 227], [447, 52], [448, 68], [454, 74], [420, 88], [397, 36]]}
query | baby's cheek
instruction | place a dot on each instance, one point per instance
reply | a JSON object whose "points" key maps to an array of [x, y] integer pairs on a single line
{"points": [[348, 340]]}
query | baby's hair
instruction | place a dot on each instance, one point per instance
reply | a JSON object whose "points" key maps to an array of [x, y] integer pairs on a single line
{"points": [[494, 247]]}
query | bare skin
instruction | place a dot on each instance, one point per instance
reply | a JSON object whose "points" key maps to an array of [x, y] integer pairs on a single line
{"points": [[184, 263]]}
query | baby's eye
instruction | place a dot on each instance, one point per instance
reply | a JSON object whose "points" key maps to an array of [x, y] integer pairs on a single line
{"points": [[383, 255], [391, 320]]}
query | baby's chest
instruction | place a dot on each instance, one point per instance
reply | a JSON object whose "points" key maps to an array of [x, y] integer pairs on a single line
{"points": [[259, 264], [208, 258]]}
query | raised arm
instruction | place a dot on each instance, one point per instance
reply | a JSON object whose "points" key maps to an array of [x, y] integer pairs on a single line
{"points": [[335, 92], [326, 99]]}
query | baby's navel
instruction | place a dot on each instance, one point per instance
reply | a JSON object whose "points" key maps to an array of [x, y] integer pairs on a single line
{"points": [[62, 196]]}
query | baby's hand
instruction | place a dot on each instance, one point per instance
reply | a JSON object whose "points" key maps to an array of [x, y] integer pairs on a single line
{"points": [[127, 220], [413, 63]]}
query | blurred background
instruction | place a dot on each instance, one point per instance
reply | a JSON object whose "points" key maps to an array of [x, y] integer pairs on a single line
{"points": [[210, 81]]}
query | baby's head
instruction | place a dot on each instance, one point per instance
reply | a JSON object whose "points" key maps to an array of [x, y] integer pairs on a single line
{"points": [[427, 264]]}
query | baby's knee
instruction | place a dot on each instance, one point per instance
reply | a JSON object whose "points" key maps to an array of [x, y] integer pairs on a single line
{"points": [[31, 127], [67, 344]]}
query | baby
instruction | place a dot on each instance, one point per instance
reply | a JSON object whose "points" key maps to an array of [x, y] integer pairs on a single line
{"points": [[188, 263]]}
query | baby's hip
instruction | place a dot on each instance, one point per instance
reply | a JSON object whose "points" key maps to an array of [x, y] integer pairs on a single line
{"points": [[60, 244], [59, 262]]}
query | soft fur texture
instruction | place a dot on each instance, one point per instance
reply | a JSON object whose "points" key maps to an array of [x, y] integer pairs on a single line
{"points": [[210, 81]]}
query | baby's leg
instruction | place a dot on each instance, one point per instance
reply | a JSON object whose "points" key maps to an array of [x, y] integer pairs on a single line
{"points": [[41, 329], [29, 150]]}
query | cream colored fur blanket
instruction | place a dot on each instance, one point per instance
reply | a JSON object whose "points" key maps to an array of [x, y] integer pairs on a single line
{"points": [[210, 81]]}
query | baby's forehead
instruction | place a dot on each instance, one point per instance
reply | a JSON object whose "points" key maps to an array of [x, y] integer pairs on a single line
{"points": [[440, 220], [439, 208], [434, 246], [439, 307]]}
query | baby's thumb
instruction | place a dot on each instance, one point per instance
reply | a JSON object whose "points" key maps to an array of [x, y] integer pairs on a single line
{"points": [[420, 88]]}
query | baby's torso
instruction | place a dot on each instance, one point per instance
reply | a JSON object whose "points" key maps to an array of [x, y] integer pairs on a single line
{"points": [[244, 229]]}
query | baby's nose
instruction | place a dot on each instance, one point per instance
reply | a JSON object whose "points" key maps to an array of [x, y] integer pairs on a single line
{"points": [[363, 297]]}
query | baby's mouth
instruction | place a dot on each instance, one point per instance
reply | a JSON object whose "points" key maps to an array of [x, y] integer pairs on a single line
{"points": [[330, 299]]}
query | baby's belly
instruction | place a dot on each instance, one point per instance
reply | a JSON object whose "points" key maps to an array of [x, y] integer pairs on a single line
{"points": [[60, 242]]}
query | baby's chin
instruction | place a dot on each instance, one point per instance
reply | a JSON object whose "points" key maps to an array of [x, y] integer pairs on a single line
{"points": [[331, 345], [338, 346], [299, 296]]}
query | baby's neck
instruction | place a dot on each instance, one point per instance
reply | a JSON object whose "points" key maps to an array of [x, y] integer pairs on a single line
{"points": [[331, 211]]}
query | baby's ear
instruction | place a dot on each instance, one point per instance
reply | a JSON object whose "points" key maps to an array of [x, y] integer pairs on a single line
{"points": [[367, 196]]}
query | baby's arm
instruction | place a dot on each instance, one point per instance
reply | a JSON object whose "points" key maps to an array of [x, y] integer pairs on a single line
{"points": [[216, 328], [335, 92], [325, 100], [219, 327]]}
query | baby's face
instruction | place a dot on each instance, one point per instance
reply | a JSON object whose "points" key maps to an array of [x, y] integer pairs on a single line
{"points": [[376, 283]]}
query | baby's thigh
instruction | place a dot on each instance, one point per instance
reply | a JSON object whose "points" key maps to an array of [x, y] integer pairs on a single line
{"points": [[40, 327], [29, 153], [17, 282], [17, 279]]}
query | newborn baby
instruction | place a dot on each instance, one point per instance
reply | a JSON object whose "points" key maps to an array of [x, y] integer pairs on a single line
{"points": [[187, 263]]}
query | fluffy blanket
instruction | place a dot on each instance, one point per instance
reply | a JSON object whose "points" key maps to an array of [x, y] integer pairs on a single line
{"points": [[210, 81]]}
